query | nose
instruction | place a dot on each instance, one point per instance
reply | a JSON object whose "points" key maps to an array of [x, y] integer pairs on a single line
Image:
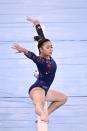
{"points": [[51, 50]]}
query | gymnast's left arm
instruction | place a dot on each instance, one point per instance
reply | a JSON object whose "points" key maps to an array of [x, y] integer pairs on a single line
{"points": [[38, 27]]}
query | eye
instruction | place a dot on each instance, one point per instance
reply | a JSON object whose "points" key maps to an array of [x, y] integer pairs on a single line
{"points": [[48, 47], [51, 46]]}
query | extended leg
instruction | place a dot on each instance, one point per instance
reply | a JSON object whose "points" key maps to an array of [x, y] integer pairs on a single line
{"points": [[38, 97]]}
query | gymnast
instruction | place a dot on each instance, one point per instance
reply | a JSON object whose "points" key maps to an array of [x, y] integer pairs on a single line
{"points": [[40, 91]]}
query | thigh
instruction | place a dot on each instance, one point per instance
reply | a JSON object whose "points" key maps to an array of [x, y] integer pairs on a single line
{"points": [[37, 95], [54, 95]]}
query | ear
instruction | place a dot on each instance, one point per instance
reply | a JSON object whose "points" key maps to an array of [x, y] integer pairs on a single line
{"points": [[41, 49]]}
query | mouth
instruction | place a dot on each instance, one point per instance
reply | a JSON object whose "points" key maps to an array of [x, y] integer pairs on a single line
{"points": [[50, 52]]}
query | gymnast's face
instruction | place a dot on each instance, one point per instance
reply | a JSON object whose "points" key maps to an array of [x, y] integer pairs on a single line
{"points": [[46, 49]]}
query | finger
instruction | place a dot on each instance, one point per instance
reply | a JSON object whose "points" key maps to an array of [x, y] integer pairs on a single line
{"points": [[13, 47], [17, 52], [29, 18], [16, 43]]}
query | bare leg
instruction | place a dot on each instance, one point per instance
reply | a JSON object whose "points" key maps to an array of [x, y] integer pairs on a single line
{"points": [[57, 98], [38, 97]]}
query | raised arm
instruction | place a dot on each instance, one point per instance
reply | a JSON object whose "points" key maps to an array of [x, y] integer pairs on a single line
{"points": [[40, 31], [37, 25], [19, 49], [26, 52]]}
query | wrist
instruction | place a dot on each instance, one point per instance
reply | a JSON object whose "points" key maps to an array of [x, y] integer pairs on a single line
{"points": [[25, 51], [36, 22]]}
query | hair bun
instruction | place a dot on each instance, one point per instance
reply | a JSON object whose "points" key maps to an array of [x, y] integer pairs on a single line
{"points": [[37, 38]]}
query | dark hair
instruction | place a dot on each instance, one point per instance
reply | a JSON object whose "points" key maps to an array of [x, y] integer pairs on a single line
{"points": [[40, 41]]}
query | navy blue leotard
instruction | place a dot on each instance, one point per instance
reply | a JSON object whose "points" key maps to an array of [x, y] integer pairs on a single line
{"points": [[46, 67]]}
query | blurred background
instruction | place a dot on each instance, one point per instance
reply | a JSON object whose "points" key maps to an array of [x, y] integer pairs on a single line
{"points": [[65, 24]]}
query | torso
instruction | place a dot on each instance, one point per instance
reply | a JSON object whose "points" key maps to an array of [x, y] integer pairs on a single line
{"points": [[47, 69]]}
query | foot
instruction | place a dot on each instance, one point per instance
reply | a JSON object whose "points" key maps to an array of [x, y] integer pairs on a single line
{"points": [[44, 117]]}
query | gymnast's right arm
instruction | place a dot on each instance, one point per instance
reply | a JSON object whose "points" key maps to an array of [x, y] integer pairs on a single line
{"points": [[26, 52]]}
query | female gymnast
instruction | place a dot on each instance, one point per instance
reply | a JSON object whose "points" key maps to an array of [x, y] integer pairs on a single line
{"points": [[40, 90]]}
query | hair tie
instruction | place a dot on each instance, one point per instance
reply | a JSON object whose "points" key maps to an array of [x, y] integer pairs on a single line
{"points": [[39, 40]]}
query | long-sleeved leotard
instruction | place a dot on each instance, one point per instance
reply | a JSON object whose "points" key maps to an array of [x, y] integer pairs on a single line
{"points": [[46, 67], [40, 31]]}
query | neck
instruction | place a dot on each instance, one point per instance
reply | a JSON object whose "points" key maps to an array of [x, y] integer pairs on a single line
{"points": [[45, 56]]}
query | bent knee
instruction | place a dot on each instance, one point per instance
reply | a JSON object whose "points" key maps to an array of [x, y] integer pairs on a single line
{"points": [[65, 98]]}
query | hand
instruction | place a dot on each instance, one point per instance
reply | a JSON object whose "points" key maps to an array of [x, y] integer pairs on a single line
{"points": [[17, 47], [34, 21]]}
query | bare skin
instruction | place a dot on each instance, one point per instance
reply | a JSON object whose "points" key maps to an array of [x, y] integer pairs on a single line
{"points": [[56, 98], [33, 21], [38, 94], [38, 97]]}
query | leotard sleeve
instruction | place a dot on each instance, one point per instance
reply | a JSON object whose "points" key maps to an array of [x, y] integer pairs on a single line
{"points": [[40, 31], [31, 56]]}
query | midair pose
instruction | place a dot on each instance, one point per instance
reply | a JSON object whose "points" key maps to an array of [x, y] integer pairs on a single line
{"points": [[40, 91]]}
